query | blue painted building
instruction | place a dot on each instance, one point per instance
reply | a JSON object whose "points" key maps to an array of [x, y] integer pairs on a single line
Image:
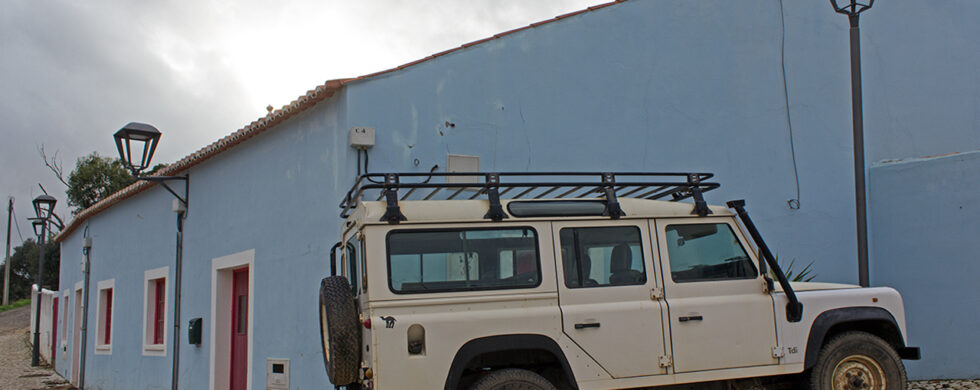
{"points": [[756, 91]]}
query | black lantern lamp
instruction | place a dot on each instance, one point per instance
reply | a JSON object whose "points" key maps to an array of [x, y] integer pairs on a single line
{"points": [[853, 10], [143, 138], [44, 206], [38, 228], [139, 136]]}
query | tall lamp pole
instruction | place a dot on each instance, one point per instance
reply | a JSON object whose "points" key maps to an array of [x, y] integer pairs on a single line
{"points": [[144, 138], [853, 10], [6, 261], [43, 209]]}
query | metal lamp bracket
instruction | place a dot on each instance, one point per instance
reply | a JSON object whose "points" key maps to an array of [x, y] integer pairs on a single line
{"points": [[162, 180]]}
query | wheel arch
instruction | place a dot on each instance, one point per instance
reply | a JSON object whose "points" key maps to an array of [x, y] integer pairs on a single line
{"points": [[476, 348], [873, 320]]}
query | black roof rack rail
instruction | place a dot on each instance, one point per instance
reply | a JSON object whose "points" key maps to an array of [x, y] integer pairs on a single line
{"points": [[527, 185]]}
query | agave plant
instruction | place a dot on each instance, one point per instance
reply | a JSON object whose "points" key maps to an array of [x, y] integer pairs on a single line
{"points": [[804, 275]]}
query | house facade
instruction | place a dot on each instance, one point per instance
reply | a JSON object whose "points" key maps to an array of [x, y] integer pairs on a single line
{"points": [[754, 91]]}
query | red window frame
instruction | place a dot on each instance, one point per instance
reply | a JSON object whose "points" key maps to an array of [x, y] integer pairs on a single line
{"points": [[106, 338], [158, 309]]}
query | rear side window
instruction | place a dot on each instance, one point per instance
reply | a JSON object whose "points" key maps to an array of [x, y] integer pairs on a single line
{"points": [[602, 256], [421, 261], [706, 251]]}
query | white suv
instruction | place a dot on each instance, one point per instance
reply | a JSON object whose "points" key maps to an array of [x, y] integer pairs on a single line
{"points": [[584, 281]]}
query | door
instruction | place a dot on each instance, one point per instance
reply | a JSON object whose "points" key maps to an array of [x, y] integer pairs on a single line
{"points": [[76, 336], [605, 295], [54, 332], [239, 330], [720, 315]]}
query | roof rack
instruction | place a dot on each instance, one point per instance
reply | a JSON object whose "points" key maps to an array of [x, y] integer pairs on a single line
{"points": [[526, 185]]}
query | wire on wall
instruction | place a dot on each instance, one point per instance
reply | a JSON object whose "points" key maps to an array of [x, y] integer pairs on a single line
{"points": [[795, 202]]}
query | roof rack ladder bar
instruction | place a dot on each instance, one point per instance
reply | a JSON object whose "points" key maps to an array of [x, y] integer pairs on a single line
{"points": [[564, 194], [541, 195], [409, 193], [496, 211], [456, 193], [700, 206], [631, 192], [654, 192], [393, 215], [433, 193], [525, 192], [590, 192], [612, 204]]}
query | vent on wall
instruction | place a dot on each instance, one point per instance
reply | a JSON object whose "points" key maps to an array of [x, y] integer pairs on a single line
{"points": [[462, 163]]}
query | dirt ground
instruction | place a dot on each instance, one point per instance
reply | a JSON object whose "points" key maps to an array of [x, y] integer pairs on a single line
{"points": [[16, 372]]}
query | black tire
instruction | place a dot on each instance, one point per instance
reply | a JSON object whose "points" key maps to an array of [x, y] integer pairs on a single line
{"points": [[856, 361], [340, 331], [512, 379]]}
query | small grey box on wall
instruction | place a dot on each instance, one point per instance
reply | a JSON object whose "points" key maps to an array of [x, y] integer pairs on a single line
{"points": [[361, 137]]}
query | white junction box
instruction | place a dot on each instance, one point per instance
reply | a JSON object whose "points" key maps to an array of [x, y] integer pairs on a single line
{"points": [[277, 374], [361, 137]]}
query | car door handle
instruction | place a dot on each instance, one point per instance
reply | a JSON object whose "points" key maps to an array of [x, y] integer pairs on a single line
{"points": [[690, 318], [587, 325]]}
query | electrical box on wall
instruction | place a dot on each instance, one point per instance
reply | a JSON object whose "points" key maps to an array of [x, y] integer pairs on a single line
{"points": [[361, 137], [463, 163], [277, 374]]}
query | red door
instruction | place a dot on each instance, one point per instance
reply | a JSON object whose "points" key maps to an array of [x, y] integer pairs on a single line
{"points": [[54, 331], [239, 329]]}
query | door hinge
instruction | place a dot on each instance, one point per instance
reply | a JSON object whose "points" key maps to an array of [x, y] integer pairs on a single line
{"points": [[657, 293], [778, 351], [666, 361]]}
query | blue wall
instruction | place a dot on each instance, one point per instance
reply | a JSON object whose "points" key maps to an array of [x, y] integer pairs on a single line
{"points": [[924, 214], [644, 85]]}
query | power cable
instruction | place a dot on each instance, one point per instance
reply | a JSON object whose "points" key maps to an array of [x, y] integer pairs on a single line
{"points": [[793, 203]]}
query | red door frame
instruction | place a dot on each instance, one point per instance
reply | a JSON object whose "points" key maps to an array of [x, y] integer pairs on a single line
{"points": [[238, 369]]}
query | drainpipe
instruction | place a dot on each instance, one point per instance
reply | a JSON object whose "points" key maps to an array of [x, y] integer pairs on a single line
{"points": [[180, 209], [86, 257]]}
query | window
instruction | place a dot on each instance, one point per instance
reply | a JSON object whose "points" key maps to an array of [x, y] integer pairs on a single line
{"points": [[462, 260], [702, 252], [103, 329], [155, 311], [602, 256], [352, 263]]}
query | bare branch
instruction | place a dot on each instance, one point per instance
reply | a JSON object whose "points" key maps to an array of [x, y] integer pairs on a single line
{"points": [[54, 164]]}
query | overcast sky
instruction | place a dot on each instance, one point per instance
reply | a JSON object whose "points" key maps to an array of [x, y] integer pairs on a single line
{"points": [[74, 72]]}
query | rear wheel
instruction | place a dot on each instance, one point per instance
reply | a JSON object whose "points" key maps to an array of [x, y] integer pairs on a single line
{"points": [[340, 332], [857, 361], [512, 379]]}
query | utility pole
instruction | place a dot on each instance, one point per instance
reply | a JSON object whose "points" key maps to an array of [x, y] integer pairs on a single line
{"points": [[6, 261]]}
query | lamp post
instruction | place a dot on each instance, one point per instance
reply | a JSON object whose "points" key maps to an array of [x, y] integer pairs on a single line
{"points": [[853, 10], [43, 209], [143, 138]]}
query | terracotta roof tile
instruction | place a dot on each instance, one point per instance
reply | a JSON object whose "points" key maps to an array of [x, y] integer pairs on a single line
{"points": [[270, 120]]}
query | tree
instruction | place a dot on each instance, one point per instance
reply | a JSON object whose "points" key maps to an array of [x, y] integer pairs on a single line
{"points": [[95, 178], [23, 267]]}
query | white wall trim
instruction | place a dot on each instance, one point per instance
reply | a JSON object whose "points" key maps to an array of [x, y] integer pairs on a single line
{"points": [[101, 348], [150, 349], [221, 276]]}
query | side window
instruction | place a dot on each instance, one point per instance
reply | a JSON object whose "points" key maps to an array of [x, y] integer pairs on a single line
{"points": [[602, 256], [352, 263], [708, 251], [462, 260]]}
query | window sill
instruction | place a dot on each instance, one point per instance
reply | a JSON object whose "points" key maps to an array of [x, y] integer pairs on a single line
{"points": [[154, 350], [103, 349]]}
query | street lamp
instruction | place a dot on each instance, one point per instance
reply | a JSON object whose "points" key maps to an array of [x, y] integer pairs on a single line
{"points": [[44, 211], [853, 10], [143, 138]]}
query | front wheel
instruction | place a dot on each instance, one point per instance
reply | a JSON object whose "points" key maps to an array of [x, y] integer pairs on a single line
{"points": [[512, 379], [857, 361]]}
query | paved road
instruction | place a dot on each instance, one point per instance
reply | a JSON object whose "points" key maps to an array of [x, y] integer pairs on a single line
{"points": [[16, 372]]}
